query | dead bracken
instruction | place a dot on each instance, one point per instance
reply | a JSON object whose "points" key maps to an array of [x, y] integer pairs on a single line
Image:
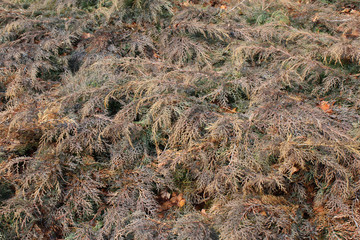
{"points": [[179, 119]]}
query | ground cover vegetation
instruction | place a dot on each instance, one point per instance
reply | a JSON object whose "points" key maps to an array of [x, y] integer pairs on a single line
{"points": [[174, 119]]}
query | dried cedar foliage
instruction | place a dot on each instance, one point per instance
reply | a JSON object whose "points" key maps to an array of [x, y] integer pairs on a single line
{"points": [[248, 110]]}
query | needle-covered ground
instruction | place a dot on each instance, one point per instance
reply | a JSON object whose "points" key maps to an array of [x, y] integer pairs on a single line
{"points": [[174, 119]]}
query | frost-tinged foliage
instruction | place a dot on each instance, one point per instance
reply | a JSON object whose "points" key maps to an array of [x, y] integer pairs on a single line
{"points": [[179, 119]]}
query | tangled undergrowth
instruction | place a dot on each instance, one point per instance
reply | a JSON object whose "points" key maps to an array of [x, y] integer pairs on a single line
{"points": [[174, 119]]}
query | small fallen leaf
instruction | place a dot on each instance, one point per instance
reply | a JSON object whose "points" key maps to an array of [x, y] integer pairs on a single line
{"points": [[263, 213], [223, 7], [325, 106], [180, 197], [181, 203], [353, 11], [346, 10], [203, 212], [155, 55], [315, 19], [229, 110], [293, 170]]}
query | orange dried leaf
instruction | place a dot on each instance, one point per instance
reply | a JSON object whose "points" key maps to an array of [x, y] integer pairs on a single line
{"points": [[346, 10], [263, 213], [229, 110], [181, 203], [155, 55], [325, 106], [180, 197]]}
